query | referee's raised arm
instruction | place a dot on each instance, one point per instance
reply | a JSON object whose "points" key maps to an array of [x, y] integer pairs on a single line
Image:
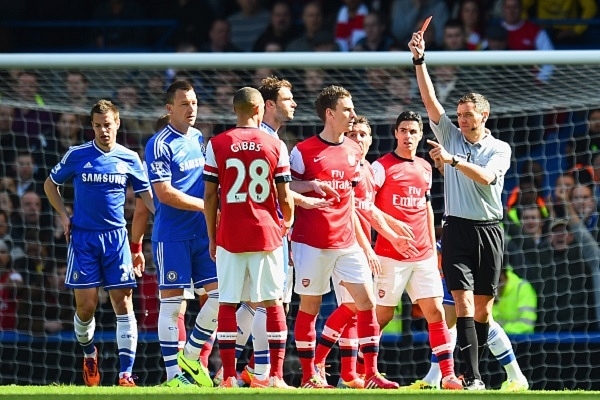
{"points": [[433, 106]]}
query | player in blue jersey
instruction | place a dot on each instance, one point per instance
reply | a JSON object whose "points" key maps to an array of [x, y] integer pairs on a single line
{"points": [[98, 253], [175, 162]]}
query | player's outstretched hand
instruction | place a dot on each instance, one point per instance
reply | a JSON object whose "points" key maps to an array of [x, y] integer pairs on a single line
{"points": [[313, 202], [402, 229], [324, 190], [66, 223], [404, 245], [374, 263], [212, 249], [139, 263]]}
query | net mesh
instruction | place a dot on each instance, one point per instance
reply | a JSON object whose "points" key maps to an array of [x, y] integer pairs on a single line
{"points": [[44, 111]]}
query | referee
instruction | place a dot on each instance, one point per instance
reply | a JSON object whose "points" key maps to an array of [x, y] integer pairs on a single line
{"points": [[474, 167]]}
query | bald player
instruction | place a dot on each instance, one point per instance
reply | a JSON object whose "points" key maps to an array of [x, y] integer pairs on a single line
{"points": [[251, 171]]}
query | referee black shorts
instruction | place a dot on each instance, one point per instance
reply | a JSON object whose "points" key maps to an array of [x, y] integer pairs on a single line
{"points": [[472, 254]]}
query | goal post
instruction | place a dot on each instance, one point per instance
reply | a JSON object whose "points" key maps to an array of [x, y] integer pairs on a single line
{"points": [[543, 118]]}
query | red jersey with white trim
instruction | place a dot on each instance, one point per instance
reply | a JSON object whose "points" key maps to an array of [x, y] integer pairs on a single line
{"points": [[364, 195], [247, 163], [402, 189], [337, 164]]}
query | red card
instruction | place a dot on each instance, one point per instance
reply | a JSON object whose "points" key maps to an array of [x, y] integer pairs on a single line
{"points": [[426, 24]]}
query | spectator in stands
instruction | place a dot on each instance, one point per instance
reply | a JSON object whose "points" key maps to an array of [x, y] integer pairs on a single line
{"points": [[529, 191], [376, 36], [312, 19], [525, 35], [567, 9], [496, 37], [313, 80], [260, 74], [447, 83], [454, 36], [68, 132], [585, 206], [76, 90], [25, 174], [349, 28], [515, 307], [49, 306], [281, 30], [219, 40], [133, 128], [27, 88], [399, 97], [473, 21], [523, 244], [566, 279], [203, 123], [11, 286], [30, 120], [584, 146], [562, 190], [155, 91], [248, 24], [406, 14], [114, 37], [223, 95]]}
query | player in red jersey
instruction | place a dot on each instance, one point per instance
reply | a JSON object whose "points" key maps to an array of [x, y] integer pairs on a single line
{"points": [[332, 250], [247, 165], [342, 322], [402, 185]]}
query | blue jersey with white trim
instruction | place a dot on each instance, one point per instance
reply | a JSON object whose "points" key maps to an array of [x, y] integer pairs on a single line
{"points": [[100, 183], [179, 159]]}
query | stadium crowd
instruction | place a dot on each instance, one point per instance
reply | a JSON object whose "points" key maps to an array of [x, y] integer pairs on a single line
{"points": [[551, 276]]}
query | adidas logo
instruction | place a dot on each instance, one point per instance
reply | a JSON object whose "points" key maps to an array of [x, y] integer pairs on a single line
{"points": [[88, 165]]}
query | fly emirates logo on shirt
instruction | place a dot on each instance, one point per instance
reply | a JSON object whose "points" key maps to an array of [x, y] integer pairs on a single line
{"points": [[415, 199], [337, 181]]}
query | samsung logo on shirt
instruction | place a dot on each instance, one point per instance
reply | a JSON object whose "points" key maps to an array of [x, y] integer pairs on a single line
{"points": [[191, 164], [104, 178]]}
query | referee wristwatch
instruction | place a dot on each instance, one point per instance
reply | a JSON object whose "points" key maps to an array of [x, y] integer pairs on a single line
{"points": [[454, 162]]}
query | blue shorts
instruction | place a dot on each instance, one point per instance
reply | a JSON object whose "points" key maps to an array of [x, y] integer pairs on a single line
{"points": [[99, 258], [182, 262], [448, 299]]}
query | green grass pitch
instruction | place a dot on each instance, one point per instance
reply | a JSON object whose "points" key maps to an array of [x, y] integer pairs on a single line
{"points": [[159, 393]]}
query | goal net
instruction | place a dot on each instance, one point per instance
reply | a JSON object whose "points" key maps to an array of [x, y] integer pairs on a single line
{"points": [[541, 104]]}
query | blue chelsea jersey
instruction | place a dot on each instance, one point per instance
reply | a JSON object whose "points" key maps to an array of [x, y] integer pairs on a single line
{"points": [[179, 159], [100, 182]]}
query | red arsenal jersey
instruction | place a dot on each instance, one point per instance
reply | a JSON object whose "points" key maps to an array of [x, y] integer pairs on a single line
{"points": [[402, 189], [364, 197], [337, 164], [247, 164]]}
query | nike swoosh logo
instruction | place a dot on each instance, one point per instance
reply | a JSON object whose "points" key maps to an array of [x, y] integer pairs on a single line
{"points": [[317, 159], [193, 371], [464, 348]]}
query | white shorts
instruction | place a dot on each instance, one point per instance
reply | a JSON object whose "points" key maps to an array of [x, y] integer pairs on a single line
{"points": [[314, 267], [289, 285], [254, 276], [421, 279]]}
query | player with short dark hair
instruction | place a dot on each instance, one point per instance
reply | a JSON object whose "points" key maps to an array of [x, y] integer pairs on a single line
{"points": [[246, 165], [175, 162], [101, 170]]}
